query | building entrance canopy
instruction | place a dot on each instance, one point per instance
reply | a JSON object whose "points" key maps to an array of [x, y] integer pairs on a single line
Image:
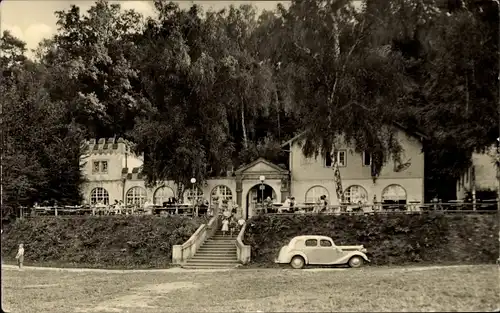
{"points": [[250, 175]]}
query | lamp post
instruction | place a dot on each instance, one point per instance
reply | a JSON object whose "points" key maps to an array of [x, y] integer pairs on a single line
{"points": [[193, 181], [262, 178]]}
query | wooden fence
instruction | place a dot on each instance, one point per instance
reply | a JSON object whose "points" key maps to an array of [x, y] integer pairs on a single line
{"points": [[188, 210], [379, 208]]}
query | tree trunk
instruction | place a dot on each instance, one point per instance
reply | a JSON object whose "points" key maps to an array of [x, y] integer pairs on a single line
{"points": [[336, 37], [245, 137], [278, 109], [467, 96], [180, 191], [335, 166], [336, 176]]}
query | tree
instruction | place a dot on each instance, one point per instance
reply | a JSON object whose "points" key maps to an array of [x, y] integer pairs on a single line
{"points": [[40, 148], [207, 96], [453, 89], [90, 61], [185, 133], [345, 86]]}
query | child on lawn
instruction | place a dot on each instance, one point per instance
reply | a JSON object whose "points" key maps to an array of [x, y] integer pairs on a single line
{"points": [[20, 256]]}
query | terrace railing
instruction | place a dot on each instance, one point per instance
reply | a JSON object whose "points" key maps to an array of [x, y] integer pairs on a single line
{"points": [[182, 209], [484, 206], [489, 206]]}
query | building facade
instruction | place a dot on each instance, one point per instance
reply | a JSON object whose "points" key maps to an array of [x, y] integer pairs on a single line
{"points": [[480, 177], [400, 182], [113, 172]]}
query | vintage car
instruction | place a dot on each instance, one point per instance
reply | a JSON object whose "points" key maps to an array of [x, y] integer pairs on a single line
{"points": [[320, 250]]}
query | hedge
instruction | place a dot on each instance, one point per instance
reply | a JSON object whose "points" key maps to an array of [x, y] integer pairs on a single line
{"points": [[390, 239], [99, 241]]}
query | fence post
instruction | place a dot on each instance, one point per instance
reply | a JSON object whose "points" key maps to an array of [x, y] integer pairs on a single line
{"points": [[55, 212]]}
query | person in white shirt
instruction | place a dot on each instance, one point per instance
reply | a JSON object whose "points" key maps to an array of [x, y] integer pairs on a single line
{"points": [[100, 207], [286, 205], [148, 207], [20, 256], [118, 208], [225, 226]]}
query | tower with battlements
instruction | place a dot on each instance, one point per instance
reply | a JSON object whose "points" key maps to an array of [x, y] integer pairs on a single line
{"points": [[104, 165]]}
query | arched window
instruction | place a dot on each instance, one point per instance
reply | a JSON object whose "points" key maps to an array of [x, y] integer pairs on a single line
{"points": [[221, 192], [355, 194], [162, 194], [136, 196], [394, 194], [193, 195], [315, 192], [99, 194]]}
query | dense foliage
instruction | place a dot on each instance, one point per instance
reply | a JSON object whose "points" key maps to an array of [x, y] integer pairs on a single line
{"points": [[202, 92], [390, 239], [126, 241], [40, 146]]}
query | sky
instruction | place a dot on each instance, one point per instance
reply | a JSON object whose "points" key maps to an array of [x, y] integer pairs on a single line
{"points": [[34, 20]]}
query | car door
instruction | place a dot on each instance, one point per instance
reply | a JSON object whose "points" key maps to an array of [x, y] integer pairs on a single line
{"points": [[327, 252], [309, 249]]}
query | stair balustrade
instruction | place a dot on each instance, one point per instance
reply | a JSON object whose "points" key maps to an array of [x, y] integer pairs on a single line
{"points": [[242, 250], [181, 253]]}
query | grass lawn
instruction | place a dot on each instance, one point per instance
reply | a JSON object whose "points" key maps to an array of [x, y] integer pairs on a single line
{"points": [[474, 288]]}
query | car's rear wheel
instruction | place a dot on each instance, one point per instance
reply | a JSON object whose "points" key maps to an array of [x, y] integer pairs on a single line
{"points": [[356, 261], [297, 262]]}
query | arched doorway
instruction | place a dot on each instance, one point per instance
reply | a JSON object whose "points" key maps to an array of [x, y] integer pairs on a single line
{"points": [[136, 196], [256, 195], [355, 194], [394, 194], [315, 192], [162, 195], [99, 195]]}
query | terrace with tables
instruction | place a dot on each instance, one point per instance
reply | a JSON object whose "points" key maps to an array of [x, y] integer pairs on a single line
{"points": [[201, 209]]}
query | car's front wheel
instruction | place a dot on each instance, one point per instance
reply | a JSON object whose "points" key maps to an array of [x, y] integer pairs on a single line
{"points": [[356, 261], [297, 262]]}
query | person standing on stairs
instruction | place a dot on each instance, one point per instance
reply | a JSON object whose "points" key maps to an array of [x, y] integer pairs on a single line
{"points": [[225, 226], [232, 225]]}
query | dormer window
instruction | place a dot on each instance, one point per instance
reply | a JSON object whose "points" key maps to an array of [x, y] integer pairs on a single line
{"points": [[367, 159], [104, 166], [328, 160], [100, 167], [341, 159]]}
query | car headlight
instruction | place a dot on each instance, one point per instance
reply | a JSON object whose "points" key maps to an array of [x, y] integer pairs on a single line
{"points": [[364, 250]]}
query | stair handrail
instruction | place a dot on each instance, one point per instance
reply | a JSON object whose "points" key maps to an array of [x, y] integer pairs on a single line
{"points": [[242, 250], [181, 253]]}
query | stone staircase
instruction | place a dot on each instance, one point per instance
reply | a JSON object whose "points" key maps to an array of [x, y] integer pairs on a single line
{"points": [[216, 252]]}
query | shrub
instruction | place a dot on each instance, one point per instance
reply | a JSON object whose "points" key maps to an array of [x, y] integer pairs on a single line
{"points": [[390, 239], [99, 241]]}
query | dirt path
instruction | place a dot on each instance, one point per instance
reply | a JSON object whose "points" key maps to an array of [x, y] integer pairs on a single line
{"points": [[96, 270], [139, 298], [181, 270], [428, 268]]}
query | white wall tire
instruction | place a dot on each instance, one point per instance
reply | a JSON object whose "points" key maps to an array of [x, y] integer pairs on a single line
{"points": [[356, 261], [297, 262]]}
